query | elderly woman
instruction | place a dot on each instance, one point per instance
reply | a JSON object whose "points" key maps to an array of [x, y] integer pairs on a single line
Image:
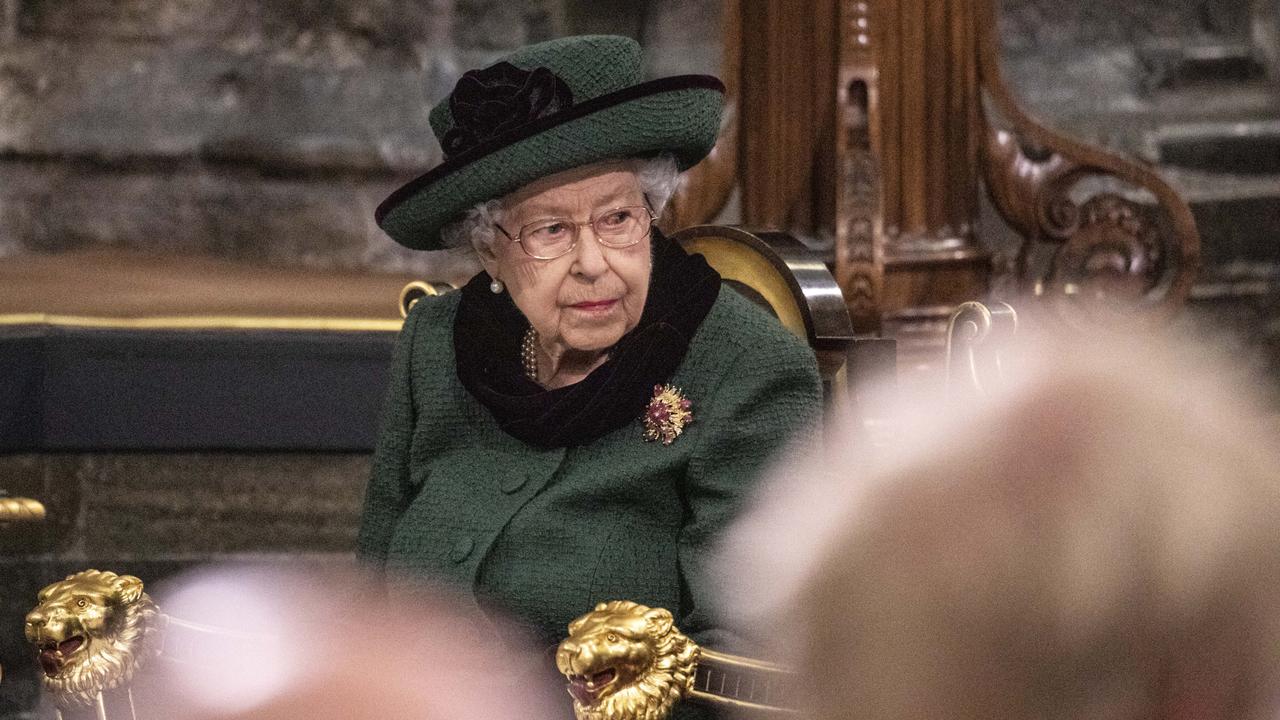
{"points": [[581, 420]]}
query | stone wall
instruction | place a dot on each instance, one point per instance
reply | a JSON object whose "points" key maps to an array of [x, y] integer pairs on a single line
{"points": [[1087, 64], [266, 131], [261, 130], [1041, 25]]}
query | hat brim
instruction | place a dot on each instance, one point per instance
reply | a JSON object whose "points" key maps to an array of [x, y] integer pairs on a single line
{"points": [[678, 115]]}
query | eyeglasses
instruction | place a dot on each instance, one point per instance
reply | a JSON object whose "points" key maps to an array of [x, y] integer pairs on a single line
{"points": [[550, 238]]}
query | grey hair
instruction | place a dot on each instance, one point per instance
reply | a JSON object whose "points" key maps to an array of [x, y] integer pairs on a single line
{"points": [[659, 177]]}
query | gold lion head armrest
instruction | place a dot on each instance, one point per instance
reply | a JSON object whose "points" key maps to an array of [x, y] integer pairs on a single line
{"points": [[625, 661], [95, 633], [92, 633]]}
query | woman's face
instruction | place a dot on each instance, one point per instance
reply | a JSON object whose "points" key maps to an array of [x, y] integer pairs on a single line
{"points": [[587, 299]]}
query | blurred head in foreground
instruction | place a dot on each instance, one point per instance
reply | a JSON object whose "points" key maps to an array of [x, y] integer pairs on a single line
{"points": [[1100, 538], [320, 646]]}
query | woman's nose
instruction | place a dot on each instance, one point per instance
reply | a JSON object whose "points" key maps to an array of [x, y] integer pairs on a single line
{"points": [[590, 260]]}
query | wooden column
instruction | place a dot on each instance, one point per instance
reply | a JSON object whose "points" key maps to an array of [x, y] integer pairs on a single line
{"points": [[908, 109]]}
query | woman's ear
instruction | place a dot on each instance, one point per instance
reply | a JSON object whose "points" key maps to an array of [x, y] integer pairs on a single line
{"points": [[488, 260]]}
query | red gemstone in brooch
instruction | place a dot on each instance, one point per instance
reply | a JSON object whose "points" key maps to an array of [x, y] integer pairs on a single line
{"points": [[667, 414]]}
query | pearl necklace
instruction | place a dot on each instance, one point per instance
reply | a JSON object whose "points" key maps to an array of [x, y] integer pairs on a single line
{"points": [[529, 354]]}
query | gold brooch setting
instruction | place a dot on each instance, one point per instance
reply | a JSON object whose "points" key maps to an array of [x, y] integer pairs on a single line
{"points": [[668, 413]]}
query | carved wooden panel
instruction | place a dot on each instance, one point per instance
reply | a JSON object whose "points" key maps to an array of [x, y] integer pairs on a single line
{"points": [[906, 252]]}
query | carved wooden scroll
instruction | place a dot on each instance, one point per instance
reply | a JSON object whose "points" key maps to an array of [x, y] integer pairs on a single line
{"points": [[1112, 227]]}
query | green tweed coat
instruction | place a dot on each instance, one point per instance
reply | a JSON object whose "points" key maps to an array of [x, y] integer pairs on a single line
{"points": [[546, 533]]}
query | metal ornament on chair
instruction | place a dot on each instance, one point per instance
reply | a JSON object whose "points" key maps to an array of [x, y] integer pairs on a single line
{"points": [[976, 336], [92, 633], [626, 661], [102, 644], [17, 509]]}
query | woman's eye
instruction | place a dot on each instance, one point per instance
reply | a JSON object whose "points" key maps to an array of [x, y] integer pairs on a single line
{"points": [[550, 232], [611, 638], [81, 602], [617, 218]]}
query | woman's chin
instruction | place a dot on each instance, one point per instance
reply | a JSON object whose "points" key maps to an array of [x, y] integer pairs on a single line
{"points": [[593, 340]]}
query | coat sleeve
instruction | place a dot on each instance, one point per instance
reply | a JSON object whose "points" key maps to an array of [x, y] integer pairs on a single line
{"points": [[770, 396], [389, 491]]}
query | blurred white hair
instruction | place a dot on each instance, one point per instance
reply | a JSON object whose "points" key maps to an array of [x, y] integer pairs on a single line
{"points": [[1098, 539], [659, 177], [283, 642]]}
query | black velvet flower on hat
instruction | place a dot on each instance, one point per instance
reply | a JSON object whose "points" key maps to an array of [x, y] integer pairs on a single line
{"points": [[487, 103]]}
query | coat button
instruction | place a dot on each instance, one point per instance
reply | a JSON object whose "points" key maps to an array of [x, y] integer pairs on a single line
{"points": [[461, 550], [513, 483]]}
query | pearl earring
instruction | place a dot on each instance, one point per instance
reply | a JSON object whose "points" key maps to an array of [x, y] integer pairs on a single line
{"points": [[496, 287]]}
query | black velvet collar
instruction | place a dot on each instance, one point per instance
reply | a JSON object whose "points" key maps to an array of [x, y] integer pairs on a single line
{"points": [[489, 329]]}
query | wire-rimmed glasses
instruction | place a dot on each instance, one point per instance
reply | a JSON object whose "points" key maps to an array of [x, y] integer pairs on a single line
{"points": [[550, 238]]}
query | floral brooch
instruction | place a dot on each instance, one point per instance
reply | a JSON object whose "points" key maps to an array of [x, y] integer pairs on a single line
{"points": [[667, 414]]}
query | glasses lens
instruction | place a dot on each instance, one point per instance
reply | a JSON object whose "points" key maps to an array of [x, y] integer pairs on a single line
{"points": [[622, 226], [552, 237], [548, 238]]}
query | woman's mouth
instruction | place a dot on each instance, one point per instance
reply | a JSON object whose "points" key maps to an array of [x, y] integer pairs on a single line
{"points": [[594, 306]]}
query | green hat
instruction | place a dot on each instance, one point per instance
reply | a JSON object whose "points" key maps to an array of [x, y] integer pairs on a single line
{"points": [[547, 108]]}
